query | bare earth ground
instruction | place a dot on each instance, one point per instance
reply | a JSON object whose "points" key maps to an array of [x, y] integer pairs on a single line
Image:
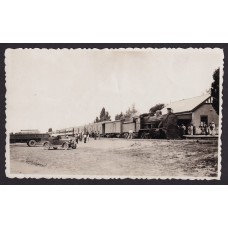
{"points": [[120, 157]]}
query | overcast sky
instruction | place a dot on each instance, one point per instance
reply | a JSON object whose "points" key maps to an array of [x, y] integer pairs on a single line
{"points": [[64, 88]]}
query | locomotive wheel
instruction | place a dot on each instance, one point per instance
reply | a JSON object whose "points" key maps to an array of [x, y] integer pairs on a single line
{"points": [[146, 136], [65, 146], [46, 145], [142, 136], [32, 143]]}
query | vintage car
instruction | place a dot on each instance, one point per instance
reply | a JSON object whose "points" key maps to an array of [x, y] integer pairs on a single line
{"points": [[56, 141]]}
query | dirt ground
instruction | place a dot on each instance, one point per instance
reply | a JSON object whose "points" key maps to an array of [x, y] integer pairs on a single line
{"points": [[120, 157]]}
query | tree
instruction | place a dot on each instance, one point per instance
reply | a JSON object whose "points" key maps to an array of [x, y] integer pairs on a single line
{"points": [[133, 109], [104, 115], [96, 120], [131, 112], [127, 113], [107, 117], [155, 108], [119, 116], [215, 90]]}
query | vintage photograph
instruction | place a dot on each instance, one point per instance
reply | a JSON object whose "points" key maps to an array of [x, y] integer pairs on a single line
{"points": [[114, 113]]}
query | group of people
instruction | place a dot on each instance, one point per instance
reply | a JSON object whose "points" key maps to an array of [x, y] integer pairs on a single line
{"points": [[85, 136], [200, 130]]}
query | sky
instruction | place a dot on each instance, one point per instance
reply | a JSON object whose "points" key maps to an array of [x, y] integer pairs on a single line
{"points": [[68, 87]]}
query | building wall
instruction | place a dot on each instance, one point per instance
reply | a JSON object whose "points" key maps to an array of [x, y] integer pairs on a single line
{"points": [[205, 110]]}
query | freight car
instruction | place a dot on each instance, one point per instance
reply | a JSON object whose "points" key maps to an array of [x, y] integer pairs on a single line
{"points": [[113, 129], [133, 124], [96, 127]]}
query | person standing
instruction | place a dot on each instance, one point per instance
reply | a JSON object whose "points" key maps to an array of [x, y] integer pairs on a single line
{"points": [[182, 130], [209, 128], [99, 135], [130, 134], [76, 138], [191, 129], [95, 135], [85, 137], [212, 127], [205, 129], [169, 125], [80, 136], [198, 130]]}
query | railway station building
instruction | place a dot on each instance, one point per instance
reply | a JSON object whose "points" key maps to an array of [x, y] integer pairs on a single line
{"points": [[196, 111]]}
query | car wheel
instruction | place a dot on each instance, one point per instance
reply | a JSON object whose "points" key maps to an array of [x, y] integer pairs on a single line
{"points": [[74, 147], [31, 143], [65, 146], [46, 145]]}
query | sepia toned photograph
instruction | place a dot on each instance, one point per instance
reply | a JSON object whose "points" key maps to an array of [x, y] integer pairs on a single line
{"points": [[114, 113]]}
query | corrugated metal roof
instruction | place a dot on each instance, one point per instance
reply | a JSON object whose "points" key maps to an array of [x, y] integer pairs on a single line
{"points": [[186, 105]]}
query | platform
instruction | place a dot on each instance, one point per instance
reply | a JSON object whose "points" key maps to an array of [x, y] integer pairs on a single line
{"points": [[206, 137]]}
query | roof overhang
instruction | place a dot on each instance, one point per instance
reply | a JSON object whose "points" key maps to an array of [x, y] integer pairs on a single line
{"points": [[183, 113]]}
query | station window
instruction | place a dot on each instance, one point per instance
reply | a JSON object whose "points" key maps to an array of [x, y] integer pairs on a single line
{"points": [[203, 120]]}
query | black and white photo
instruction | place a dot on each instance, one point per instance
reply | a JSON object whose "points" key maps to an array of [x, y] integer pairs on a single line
{"points": [[114, 113]]}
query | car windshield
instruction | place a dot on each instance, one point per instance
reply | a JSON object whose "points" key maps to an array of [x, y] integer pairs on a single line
{"points": [[56, 137]]}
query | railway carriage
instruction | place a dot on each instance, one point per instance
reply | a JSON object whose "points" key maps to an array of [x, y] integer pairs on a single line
{"points": [[76, 130], [98, 127], [89, 128], [81, 129], [66, 131]]}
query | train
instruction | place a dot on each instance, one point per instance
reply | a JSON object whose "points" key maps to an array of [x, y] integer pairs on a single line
{"points": [[143, 126]]}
